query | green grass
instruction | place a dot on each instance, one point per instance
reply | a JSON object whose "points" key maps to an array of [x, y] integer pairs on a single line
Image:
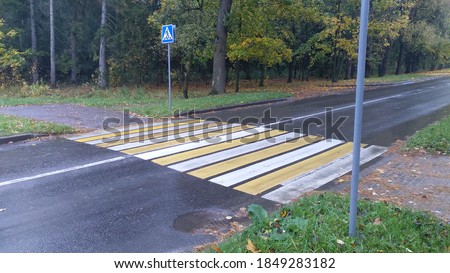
{"points": [[408, 77], [151, 103], [319, 223], [10, 125], [434, 138]]}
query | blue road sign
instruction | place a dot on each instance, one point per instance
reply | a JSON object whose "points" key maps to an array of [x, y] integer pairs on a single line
{"points": [[168, 34]]}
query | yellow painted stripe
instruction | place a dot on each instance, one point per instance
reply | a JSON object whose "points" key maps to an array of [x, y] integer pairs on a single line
{"points": [[273, 179], [237, 162], [217, 147], [156, 135], [118, 134], [199, 136]]}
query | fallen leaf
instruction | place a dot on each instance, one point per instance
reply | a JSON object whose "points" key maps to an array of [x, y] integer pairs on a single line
{"points": [[377, 221], [242, 213], [341, 180], [217, 249], [251, 247], [284, 213]]}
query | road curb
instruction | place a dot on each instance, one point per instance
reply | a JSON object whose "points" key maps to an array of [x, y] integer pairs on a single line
{"points": [[193, 112], [17, 138]]}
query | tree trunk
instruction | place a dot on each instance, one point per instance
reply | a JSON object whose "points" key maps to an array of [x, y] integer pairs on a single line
{"points": [[35, 63], [348, 72], [52, 47], [409, 61], [102, 54], [262, 75], [382, 69], [398, 71], [187, 74], [73, 50], [73, 53], [186, 85], [291, 71], [219, 63], [238, 72]]}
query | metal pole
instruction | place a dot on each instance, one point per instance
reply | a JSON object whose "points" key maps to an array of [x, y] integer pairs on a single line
{"points": [[170, 81], [358, 114]]}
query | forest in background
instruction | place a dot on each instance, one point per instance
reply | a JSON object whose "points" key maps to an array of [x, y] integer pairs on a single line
{"points": [[118, 42]]}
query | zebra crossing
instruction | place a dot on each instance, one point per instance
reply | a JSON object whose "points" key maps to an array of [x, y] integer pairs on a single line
{"points": [[274, 164]]}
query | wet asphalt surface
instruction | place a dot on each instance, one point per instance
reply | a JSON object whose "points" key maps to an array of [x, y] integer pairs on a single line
{"points": [[132, 205], [390, 113]]}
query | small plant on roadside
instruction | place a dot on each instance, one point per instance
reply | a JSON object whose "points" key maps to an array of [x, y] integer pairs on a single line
{"points": [[277, 227], [319, 223], [34, 90]]}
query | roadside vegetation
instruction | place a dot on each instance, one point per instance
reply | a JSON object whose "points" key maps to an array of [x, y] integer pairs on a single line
{"points": [[319, 223], [152, 101], [434, 138], [10, 125], [140, 100]]}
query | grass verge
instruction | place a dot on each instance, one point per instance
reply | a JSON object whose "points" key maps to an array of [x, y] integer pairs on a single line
{"points": [[434, 138], [151, 103], [10, 125], [319, 223]]}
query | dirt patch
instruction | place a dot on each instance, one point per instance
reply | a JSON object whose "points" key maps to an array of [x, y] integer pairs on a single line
{"points": [[415, 180]]}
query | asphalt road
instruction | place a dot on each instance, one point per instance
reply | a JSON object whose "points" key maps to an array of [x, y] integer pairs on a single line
{"points": [[390, 113], [128, 205], [64, 196]]}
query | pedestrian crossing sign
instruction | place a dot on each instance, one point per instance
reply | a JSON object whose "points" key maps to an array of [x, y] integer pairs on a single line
{"points": [[168, 34]]}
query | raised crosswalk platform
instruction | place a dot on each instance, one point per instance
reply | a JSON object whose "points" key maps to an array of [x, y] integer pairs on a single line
{"points": [[277, 165]]}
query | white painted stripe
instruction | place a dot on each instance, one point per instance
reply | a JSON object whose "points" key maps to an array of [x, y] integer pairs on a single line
{"points": [[227, 154], [334, 109], [296, 187], [202, 143], [268, 165], [19, 180], [122, 129], [412, 93], [171, 137], [167, 130]]}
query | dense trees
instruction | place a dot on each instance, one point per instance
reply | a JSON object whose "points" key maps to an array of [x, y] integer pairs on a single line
{"points": [[117, 42]]}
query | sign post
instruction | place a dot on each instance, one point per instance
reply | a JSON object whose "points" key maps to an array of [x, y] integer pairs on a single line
{"points": [[359, 104], [168, 37]]}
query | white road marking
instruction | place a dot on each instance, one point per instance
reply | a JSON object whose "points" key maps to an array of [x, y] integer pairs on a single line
{"points": [[296, 187], [148, 133], [268, 165], [347, 107], [19, 180], [334, 109], [227, 154], [173, 137], [124, 128], [199, 144]]}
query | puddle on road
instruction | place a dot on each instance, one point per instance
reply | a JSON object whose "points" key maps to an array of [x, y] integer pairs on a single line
{"points": [[211, 221]]}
